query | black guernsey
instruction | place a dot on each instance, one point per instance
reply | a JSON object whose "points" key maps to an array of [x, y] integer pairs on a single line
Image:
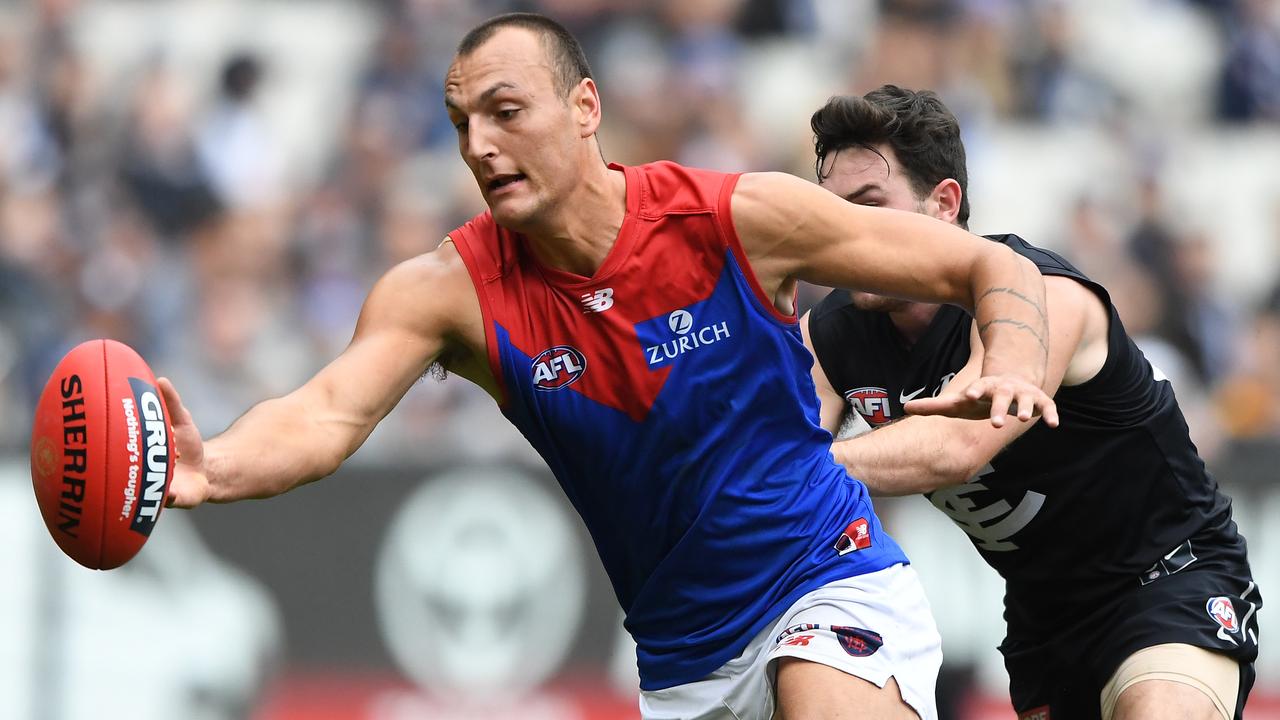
{"points": [[1114, 498]]}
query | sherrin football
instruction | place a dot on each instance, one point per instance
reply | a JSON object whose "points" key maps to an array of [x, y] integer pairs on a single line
{"points": [[101, 455]]}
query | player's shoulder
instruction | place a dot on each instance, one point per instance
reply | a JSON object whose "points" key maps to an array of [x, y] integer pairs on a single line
{"points": [[430, 287], [480, 225], [671, 171], [442, 264], [671, 187], [1051, 264], [1047, 260]]}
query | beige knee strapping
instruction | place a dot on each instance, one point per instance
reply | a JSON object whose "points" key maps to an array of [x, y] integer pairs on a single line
{"points": [[1213, 674]]}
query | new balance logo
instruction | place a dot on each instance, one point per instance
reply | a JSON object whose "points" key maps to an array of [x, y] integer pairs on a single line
{"points": [[597, 301]]}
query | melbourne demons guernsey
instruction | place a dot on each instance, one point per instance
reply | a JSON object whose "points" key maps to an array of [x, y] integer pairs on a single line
{"points": [[674, 404], [1113, 498]]}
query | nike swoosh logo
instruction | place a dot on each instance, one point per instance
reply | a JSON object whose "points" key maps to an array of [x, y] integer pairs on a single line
{"points": [[905, 398]]}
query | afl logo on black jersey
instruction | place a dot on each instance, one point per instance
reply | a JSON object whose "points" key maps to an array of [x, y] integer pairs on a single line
{"points": [[558, 367], [872, 403], [1223, 612]]}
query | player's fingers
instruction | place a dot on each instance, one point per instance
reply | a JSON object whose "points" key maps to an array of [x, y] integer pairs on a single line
{"points": [[188, 488], [1049, 411], [173, 402], [1025, 405], [1029, 402], [1001, 398], [180, 496], [949, 405], [978, 389], [187, 441], [1037, 402], [929, 406]]}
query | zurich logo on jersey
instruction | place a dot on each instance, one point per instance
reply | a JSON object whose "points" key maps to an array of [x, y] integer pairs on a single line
{"points": [[680, 322], [557, 367], [679, 333]]}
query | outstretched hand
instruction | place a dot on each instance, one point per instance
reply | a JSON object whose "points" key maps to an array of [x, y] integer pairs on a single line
{"points": [[189, 486], [994, 397]]}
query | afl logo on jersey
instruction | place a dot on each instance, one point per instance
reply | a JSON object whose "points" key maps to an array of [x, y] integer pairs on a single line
{"points": [[872, 403], [558, 367], [1224, 612]]}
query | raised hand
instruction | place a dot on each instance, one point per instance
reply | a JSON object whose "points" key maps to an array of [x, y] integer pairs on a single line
{"points": [[190, 484], [993, 397]]}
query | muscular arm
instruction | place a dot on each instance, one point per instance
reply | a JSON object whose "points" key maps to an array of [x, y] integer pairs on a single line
{"points": [[920, 454], [830, 403], [793, 229], [409, 319]]}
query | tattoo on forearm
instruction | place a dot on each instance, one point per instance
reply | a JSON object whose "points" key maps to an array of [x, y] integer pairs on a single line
{"points": [[1018, 324], [1010, 291]]}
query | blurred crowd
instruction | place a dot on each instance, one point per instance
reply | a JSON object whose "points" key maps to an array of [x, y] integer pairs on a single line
{"points": [[171, 211]]}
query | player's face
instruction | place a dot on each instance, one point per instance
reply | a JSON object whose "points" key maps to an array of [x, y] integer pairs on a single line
{"points": [[515, 132], [865, 178]]}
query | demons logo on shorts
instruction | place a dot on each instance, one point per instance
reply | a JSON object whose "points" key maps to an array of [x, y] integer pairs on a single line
{"points": [[1224, 613], [558, 367], [872, 403], [857, 641]]}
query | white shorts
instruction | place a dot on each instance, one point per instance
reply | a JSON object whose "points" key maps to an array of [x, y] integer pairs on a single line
{"points": [[873, 626]]}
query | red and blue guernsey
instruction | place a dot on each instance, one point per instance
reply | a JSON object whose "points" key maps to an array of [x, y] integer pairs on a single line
{"points": [[674, 404]]}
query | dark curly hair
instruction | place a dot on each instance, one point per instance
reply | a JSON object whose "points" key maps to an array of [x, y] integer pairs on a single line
{"points": [[923, 133]]}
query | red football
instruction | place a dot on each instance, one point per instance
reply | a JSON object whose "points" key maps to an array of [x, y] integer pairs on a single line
{"points": [[101, 457]]}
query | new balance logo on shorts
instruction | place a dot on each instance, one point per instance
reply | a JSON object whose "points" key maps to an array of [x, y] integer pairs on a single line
{"points": [[797, 640], [856, 641]]}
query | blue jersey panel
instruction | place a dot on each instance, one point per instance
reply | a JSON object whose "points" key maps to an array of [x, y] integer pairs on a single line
{"points": [[723, 506]]}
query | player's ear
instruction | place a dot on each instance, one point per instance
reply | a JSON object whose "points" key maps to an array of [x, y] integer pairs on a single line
{"points": [[584, 98], [944, 201]]}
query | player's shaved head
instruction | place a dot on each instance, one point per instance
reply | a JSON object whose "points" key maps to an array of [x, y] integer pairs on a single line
{"points": [[568, 62]]}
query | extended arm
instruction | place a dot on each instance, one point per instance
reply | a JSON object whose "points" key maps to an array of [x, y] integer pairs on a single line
{"points": [[923, 453], [794, 229], [919, 454], [408, 320]]}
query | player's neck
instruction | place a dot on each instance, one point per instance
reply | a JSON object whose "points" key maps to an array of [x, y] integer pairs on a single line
{"points": [[913, 321], [585, 225]]}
